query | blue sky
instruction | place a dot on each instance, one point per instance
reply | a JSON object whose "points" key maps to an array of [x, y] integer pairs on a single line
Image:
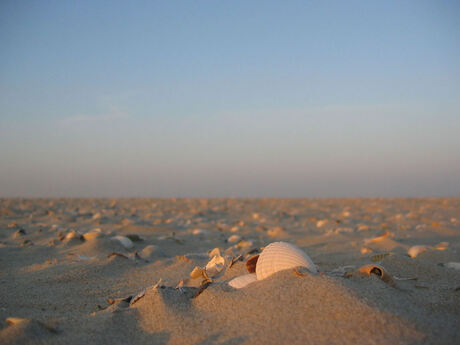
{"points": [[213, 98]]}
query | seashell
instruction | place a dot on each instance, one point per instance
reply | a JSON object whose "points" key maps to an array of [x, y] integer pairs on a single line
{"points": [[242, 281], [73, 235], [235, 259], [124, 241], [321, 223], [215, 267], [379, 271], [278, 256], [366, 250], [416, 250], [214, 252], [197, 272], [198, 232], [91, 235], [378, 238], [234, 238], [235, 228], [252, 263]]}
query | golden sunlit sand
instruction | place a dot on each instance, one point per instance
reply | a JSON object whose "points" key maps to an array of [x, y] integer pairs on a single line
{"points": [[118, 271]]}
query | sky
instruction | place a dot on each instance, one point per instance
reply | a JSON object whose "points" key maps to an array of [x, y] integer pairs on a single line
{"points": [[229, 98]]}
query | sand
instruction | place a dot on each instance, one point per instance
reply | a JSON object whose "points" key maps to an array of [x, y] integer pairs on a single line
{"points": [[60, 286]]}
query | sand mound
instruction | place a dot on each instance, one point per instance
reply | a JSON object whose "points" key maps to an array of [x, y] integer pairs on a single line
{"points": [[26, 331], [296, 309]]}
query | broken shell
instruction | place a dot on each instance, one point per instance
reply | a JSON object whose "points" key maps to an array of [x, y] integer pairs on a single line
{"points": [[215, 267], [214, 252], [124, 241], [242, 281], [378, 271], [251, 264], [378, 238], [278, 256], [416, 250], [197, 273]]}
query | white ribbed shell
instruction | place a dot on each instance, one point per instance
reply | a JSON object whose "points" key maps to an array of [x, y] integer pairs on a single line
{"points": [[278, 256], [242, 281]]}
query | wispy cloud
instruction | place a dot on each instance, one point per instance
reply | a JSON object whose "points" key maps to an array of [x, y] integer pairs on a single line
{"points": [[114, 114]]}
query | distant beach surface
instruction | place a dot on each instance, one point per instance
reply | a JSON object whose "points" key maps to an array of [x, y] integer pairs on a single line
{"points": [[162, 271]]}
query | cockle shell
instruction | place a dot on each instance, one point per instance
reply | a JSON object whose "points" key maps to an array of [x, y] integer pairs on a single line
{"points": [[242, 281], [278, 256], [124, 241]]}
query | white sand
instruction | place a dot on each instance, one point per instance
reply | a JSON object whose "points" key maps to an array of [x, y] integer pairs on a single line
{"points": [[59, 283]]}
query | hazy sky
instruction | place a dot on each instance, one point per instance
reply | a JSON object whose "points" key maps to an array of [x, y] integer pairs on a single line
{"points": [[229, 98]]}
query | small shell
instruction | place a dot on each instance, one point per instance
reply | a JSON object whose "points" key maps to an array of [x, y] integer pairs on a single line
{"points": [[242, 281], [377, 238], [279, 256], [416, 250], [321, 223], [379, 271], [198, 232], [91, 235], [215, 267], [234, 238], [73, 235], [124, 241], [366, 250]]}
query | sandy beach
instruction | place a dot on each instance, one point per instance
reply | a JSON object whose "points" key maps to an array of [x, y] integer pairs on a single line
{"points": [[117, 271]]}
